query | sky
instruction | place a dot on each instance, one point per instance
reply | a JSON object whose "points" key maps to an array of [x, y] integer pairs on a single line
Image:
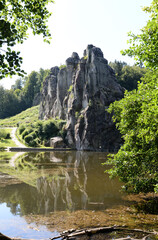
{"points": [[76, 23]]}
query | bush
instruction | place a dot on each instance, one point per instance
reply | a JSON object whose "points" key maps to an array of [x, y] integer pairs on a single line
{"points": [[49, 129], [8, 136], [26, 132], [63, 133], [28, 138], [34, 143], [59, 123], [39, 127], [41, 131], [4, 134], [21, 129]]}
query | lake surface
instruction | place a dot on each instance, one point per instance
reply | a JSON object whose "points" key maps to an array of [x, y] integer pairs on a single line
{"points": [[44, 183]]}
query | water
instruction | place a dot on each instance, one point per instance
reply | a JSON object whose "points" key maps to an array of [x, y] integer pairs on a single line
{"points": [[45, 183]]}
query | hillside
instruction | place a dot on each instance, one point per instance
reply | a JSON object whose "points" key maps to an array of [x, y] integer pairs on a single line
{"points": [[29, 115]]}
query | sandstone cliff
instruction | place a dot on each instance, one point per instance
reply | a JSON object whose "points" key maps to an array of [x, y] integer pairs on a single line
{"points": [[80, 93]]}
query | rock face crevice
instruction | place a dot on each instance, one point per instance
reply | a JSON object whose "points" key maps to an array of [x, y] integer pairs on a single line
{"points": [[80, 93]]}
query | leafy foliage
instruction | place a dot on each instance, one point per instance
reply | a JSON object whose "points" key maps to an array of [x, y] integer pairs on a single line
{"points": [[16, 18], [32, 86], [9, 103], [38, 133], [127, 76], [136, 116], [144, 46], [4, 134], [23, 94], [62, 66]]}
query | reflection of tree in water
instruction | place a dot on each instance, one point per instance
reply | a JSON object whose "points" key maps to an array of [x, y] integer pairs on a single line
{"points": [[67, 181], [21, 198]]}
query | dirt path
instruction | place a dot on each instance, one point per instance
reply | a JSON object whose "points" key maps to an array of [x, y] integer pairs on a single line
{"points": [[18, 143], [14, 138]]}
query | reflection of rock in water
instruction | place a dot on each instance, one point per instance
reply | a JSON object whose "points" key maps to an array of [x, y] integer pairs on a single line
{"points": [[72, 181], [54, 159], [79, 185]]}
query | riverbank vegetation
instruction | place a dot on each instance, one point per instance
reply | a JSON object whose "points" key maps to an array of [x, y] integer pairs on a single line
{"points": [[38, 133], [34, 132], [137, 113]]}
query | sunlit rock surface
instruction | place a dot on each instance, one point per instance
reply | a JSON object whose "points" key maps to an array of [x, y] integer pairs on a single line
{"points": [[80, 93]]}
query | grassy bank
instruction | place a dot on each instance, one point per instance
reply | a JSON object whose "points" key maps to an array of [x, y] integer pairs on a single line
{"points": [[31, 131], [6, 142], [27, 116]]}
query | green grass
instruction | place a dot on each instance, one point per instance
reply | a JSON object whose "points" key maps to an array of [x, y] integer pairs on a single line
{"points": [[7, 142], [29, 115], [6, 156], [28, 120]]}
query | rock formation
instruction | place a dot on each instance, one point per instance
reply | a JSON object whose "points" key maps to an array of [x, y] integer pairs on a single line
{"points": [[80, 93]]}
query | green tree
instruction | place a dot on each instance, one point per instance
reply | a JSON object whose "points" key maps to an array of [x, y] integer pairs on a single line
{"points": [[127, 76], [16, 18], [32, 85], [22, 94], [118, 66], [136, 116], [29, 88], [130, 77], [18, 84], [2, 101], [42, 74], [9, 103], [144, 46]]}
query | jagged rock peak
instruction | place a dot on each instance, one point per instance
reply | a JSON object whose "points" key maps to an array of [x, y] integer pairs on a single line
{"points": [[80, 93], [93, 50], [54, 71], [75, 55]]}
